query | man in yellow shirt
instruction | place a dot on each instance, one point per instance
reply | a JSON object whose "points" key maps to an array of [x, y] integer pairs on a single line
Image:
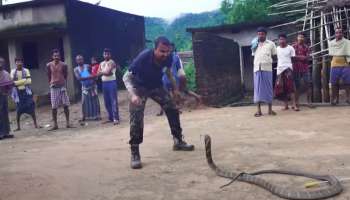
{"points": [[339, 49], [22, 94]]}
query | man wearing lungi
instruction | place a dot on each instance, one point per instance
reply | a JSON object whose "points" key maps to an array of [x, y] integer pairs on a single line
{"points": [[285, 87], [22, 94], [57, 72], [6, 85], [144, 80], [89, 96], [263, 89], [339, 49]]}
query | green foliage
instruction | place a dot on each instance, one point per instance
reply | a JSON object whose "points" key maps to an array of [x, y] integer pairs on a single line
{"points": [[237, 11], [176, 31], [154, 28], [190, 71]]}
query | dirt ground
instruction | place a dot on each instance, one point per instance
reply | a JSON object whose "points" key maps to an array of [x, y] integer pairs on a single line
{"points": [[92, 162]]}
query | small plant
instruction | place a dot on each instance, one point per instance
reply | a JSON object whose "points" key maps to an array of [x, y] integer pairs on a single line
{"points": [[190, 71]]}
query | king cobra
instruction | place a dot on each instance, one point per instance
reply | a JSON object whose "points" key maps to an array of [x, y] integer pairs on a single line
{"points": [[333, 188]]}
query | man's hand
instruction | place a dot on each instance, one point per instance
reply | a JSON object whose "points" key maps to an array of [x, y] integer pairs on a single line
{"points": [[177, 95], [136, 100]]}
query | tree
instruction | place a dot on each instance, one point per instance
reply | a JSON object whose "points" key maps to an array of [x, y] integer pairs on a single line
{"points": [[237, 11]]}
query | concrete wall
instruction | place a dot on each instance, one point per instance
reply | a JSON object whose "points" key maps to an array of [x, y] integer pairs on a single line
{"points": [[245, 37], [50, 14], [46, 43], [217, 63]]}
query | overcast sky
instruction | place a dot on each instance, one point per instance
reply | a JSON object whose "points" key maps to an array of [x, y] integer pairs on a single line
{"points": [[168, 9]]}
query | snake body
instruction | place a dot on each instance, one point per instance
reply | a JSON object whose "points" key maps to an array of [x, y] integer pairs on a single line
{"points": [[333, 188]]}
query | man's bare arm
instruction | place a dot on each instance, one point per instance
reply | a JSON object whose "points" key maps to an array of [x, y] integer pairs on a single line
{"points": [[48, 72]]}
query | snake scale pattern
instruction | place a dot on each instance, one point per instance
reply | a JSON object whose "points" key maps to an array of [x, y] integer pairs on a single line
{"points": [[333, 188]]}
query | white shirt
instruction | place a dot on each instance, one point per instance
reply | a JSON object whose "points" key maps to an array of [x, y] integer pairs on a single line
{"points": [[105, 66], [263, 56], [284, 57]]}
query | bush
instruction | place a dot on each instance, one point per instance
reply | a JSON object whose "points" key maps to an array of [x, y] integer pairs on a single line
{"points": [[190, 71]]}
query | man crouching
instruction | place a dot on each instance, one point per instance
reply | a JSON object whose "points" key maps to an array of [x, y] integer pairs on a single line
{"points": [[143, 80]]}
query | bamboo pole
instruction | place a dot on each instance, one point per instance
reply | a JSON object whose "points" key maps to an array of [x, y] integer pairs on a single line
{"points": [[347, 22], [303, 19], [314, 27], [307, 6], [289, 11]]}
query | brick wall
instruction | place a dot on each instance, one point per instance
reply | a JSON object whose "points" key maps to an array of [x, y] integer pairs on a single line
{"points": [[217, 65]]}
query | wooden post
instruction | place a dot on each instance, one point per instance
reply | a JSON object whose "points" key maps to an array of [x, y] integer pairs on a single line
{"points": [[241, 62], [316, 75], [324, 72]]}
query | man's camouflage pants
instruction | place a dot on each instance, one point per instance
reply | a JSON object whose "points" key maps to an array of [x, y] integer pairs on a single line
{"points": [[162, 97]]}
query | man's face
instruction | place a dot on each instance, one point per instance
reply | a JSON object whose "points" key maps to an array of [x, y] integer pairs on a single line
{"points": [[19, 64], [107, 55], [2, 63], [261, 36], [338, 34], [301, 39], [162, 52], [56, 56], [79, 60], [282, 41]]}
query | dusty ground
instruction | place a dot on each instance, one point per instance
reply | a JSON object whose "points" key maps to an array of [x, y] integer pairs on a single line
{"points": [[92, 162]]}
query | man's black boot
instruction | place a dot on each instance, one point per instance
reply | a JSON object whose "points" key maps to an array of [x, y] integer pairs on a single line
{"points": [[135, 157], [181, 145]]}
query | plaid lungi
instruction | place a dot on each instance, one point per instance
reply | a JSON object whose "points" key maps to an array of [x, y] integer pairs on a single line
{"points": [[59, 97]]}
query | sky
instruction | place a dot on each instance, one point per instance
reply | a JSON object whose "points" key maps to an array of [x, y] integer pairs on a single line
{"points": [[167, 9]]}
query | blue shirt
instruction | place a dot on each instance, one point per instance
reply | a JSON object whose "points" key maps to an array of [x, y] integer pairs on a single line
{"points": [[146, 72], [176, 65], [84, 74]]}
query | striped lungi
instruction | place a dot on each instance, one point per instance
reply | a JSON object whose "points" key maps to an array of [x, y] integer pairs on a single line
{"points": [[90, 103], [59, 97]]}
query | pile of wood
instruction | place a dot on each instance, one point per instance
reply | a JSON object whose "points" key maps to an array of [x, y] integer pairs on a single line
{"points": [[318, 20]]}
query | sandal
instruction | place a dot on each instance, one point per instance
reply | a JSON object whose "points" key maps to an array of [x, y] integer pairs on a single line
{"points": [[296, 109], [272, 113], [286, 108], [53, 128], [9, 136], [258, 114]]}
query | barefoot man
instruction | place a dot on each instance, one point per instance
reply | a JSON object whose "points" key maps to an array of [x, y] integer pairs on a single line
{"points": [[143, 80], [339, 49], [301, 73], [57, 72], [22, 94], [6, 85], [263, 89]]}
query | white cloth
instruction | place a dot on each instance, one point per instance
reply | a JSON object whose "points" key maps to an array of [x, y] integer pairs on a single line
{"points": [[263, 56], [340, 48], [284, 57]]}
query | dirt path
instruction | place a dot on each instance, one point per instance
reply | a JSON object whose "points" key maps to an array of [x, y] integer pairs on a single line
{"points": [[92, 163]]}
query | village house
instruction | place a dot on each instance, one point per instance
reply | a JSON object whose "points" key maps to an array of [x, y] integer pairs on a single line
{"points": [[223, 59], [32, 29]]}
